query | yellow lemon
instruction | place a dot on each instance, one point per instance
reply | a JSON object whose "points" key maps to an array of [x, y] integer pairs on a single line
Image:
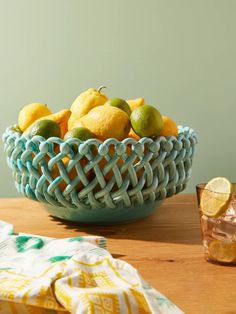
{"points": [[135, 103], [84, 103], [224, 252], [31, 113], [77, 123], [215, 197], [170, 127], [107, 122], [60, 117]]}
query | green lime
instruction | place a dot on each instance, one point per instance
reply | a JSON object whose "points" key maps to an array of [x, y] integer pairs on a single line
{"points": [[146, 121], [119, 103], [81, 133], [46, 129]]}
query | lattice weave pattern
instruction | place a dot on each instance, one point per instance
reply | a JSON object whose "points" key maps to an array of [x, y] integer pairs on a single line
{"points": [[92, 174]]}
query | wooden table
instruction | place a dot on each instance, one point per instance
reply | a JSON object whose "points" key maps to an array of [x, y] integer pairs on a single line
{"points": [[165, 248]]}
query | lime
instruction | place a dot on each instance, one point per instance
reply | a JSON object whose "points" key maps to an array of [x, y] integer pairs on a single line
{"points": [[215, 197], [146, 121], [222, 251], [119, 103], [81, 133], [46, 129]]}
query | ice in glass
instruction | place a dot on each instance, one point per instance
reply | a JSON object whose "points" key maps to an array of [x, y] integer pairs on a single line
{"points": [[218, 224]]}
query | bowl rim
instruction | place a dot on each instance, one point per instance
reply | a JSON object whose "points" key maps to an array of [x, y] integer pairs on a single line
{"points": [[184, 132], [186, 140]]}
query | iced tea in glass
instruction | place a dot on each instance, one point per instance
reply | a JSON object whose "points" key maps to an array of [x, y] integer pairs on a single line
{"points": [[219, 233]]}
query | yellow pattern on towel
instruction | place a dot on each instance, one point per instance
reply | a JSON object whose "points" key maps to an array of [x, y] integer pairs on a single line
{"points": [[40, 275]]}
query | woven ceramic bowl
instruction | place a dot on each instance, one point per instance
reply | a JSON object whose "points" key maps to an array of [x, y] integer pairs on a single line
{"points": [[100, 183]]}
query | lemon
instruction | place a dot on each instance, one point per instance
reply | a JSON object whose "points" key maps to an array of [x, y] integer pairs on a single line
{"points": [[135, 103], [74, 122], [119, 103], [107, 122], [169, 128], [222, 251], [46, 129], [61, 118], [84, 103], [31, 113], [89, 99], [146, 121], [215, 197]]}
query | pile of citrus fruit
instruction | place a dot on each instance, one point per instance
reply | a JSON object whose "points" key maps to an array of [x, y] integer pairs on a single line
{"points": [[93, 115]]}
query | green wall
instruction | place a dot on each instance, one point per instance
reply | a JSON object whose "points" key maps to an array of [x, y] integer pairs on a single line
{"points": [[180, 55]]}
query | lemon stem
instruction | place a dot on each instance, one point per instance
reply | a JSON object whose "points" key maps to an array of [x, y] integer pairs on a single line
{"points": [[100, 88]]}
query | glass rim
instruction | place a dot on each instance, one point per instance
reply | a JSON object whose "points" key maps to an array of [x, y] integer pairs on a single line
{"points": [[201, 186]]}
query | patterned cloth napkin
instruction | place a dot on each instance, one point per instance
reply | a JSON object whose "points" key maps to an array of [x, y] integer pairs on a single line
{"points": [[41, 275]]}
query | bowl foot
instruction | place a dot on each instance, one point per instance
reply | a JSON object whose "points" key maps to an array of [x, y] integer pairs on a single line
{"points": [[102, 216]]}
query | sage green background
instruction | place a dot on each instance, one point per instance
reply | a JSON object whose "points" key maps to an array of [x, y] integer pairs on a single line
{"points": [[179, 55]]}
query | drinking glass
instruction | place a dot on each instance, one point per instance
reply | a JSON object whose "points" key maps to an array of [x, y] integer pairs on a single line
{"points": [[219, 234]]}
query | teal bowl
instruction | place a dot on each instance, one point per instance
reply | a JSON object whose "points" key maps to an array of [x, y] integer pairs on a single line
{"points": [[97, 182]]}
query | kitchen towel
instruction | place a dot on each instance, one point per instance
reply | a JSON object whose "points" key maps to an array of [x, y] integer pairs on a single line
{"points": [[41, 275]]}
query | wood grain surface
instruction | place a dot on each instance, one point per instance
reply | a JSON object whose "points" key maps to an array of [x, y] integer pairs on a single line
{"points": [[166, 248]]}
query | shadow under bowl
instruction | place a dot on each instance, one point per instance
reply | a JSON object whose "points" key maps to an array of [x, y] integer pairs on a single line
{"points": [[103, 216]]}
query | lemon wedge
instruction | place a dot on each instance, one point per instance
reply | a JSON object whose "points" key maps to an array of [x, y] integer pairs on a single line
{"points": [[215, 197], [222, 251]]}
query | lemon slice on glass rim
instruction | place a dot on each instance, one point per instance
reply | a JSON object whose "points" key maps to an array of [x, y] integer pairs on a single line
{"points": [[215, 197], [224, 252]]}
